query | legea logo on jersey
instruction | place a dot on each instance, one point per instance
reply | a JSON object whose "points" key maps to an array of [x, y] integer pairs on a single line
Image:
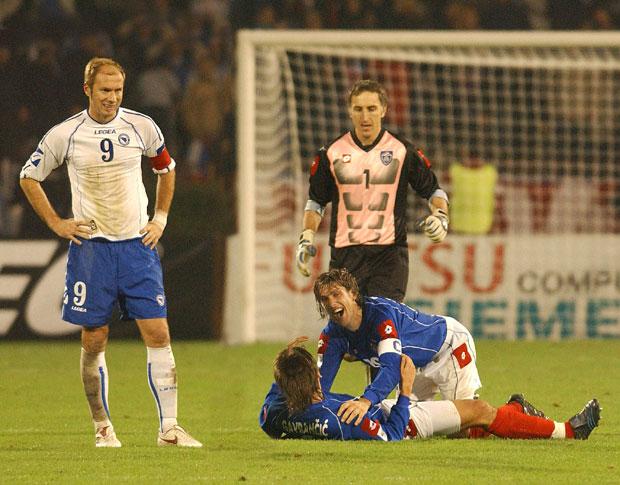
{"points": [[346, 158], [124, 139], [160, 300], [386, 157]]}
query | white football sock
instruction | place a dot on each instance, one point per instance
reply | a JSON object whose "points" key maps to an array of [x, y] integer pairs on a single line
{"points": [[94, 374], [559, 432], [162, 377]]}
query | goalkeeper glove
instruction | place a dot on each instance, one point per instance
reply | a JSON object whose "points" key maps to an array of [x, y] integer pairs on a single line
{"points": [[305, 251], [436, 225]]}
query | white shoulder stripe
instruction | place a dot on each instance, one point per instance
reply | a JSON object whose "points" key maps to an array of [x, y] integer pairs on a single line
{"points": [[395, 306]]}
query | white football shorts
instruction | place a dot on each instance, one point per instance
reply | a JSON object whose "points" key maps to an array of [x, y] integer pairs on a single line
{"points": [[453, 371]]}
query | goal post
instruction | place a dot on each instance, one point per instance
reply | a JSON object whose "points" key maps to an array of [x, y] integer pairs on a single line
{"points": [[541, 110]]}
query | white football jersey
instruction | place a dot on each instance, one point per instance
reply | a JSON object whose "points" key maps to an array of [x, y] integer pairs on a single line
{"points": [[104, 164]]}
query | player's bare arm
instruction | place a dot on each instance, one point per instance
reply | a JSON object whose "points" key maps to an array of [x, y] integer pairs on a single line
{"points": [[66, 228], [407, 375], [154, 229], [354, 409]]}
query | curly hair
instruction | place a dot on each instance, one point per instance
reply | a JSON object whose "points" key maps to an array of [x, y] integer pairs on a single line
{"points": [[336, 276], [297, 375]]}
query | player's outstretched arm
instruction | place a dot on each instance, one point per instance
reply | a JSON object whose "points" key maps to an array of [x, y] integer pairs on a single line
{"points": [[354, 410], [66, 228]]}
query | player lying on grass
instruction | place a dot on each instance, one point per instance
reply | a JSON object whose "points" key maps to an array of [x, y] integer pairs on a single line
{"points": [[297, 407]]}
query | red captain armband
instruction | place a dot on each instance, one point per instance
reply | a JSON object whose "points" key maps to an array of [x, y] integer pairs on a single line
{"points": [[162, 163], [426, 161]]}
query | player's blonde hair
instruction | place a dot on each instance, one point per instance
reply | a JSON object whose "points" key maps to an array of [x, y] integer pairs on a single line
{"points": [[336, 276], [371, 86], [95, 64], [297, 375]]}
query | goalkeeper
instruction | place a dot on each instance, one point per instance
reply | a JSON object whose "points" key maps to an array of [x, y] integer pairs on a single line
{"points": [[364, 174]]}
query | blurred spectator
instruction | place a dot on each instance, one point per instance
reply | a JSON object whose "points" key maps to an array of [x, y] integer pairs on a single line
{"points": [[158, 91], [472, 195], [410, 14], [461, 15], [505, 15], [537, 14], [205, 104], [8, 8], [566, 14], [44, 80], [600, 18], [185, 50]]}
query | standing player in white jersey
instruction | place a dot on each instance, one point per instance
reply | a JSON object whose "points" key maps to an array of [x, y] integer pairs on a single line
{"points": [[112, 256]]}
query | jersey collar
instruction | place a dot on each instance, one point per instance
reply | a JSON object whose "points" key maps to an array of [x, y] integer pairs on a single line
{"points": [[367, 148], [92, 122]]}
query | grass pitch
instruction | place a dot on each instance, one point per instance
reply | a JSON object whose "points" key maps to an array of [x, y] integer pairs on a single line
{"points": [[46, 434]]}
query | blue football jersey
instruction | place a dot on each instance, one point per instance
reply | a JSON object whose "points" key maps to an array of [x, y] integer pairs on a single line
{"points": [[387, 330], [320, 420]]}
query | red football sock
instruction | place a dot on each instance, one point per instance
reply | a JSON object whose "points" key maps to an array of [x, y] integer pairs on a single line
{"points": [[511, 424], [515, 406], [478, 432], [570, 434]]}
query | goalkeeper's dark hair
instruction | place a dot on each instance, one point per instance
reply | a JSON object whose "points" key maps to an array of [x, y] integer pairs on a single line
{"points": [[337, 276], [368, 85], [297, 375]]}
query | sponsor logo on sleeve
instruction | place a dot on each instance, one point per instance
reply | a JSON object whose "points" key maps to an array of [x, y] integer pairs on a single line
{"points": [[462, 355], [371, 427], [323, 341], [387, 329]]}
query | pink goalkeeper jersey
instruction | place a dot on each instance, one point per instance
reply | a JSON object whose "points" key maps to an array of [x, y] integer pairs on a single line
{"points": [[367, 186], [367, 189]]}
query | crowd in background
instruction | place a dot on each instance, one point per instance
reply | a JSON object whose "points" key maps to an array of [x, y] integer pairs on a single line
{"points": [[179, 58]]}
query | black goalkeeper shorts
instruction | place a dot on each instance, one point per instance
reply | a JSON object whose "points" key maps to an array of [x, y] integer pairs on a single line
{"points": [[379, 270]]}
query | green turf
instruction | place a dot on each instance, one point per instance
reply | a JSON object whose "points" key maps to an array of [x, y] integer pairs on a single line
{"points": [[46, 434]]}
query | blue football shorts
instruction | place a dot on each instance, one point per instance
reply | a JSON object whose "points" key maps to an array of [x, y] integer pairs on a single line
{"points": [[102, 273]]}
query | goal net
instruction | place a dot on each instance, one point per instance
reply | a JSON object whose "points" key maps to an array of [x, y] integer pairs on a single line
{"points": [[523, 130]]}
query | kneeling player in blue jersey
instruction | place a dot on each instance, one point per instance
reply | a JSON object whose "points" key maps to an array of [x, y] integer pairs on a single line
{"points": [[297, 407], [377, 331]]}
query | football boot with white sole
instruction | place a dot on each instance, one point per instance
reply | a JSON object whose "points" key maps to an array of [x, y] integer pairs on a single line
{"points": [[105, 437], [177, 436]]}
